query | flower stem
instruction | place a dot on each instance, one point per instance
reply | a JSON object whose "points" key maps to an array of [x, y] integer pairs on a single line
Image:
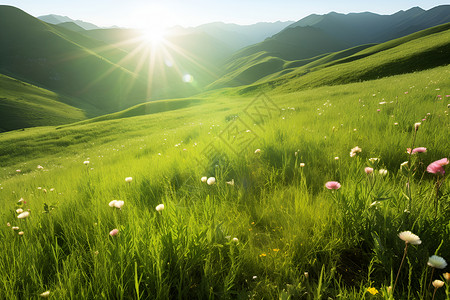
{"points": [[401, 264], [431, 278], [434, 293]]}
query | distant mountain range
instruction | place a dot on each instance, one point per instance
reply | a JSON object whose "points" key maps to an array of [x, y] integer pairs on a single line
{"points": [[317, 35], [93, 71], [57, 19]]}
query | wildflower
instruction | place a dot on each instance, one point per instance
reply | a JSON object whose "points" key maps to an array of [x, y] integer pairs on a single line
{"points": [[355, 150], [438, 283], [383, 172], [52, 189], [119, 204], [395, 123], [368, 170], [437, 166], [409, 237], [437, 262], [262, 255], [231, 182], [257, 151], [302, 165], [128, 179], [416, 150], [446, 276], [20, 233], [18, 171], [114, 232], [372, 290], [275, 250], [306, 275], [45, 294], [235, 239], [20, 200], [417, 125], [159, 207], [332, 185], [8, 224], [211, 181], [403, 164], [336, 158], [39, 167], [204, 178], [374, 159], [86, 162], [254, 277], [23, 215], [15, 228], [19, 210]]}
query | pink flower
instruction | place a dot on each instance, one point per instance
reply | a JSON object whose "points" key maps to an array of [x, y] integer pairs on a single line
{"points": [[368, 170], [437, 166], [416, 150], [332, 185], [114, 232]]}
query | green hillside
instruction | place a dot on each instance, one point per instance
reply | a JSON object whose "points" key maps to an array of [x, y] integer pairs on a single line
{"points": [[24, 105], [275, 226], [419, 51], [64, 61]]}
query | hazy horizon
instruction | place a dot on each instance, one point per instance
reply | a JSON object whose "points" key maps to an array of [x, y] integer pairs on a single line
{"points": [[142, 14]]}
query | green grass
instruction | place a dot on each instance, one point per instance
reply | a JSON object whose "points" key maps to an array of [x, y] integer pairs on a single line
{"points": [[24, 105], [285, 221]]}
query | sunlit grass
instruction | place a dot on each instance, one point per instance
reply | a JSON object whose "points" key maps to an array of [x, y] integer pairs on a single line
{"points": [[295, 238]]}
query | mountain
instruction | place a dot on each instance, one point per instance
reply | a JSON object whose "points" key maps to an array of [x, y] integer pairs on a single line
{"points": [[66, 62], [316, 35], [56, 19], [422, 50], [71, 26], [239, 36]]}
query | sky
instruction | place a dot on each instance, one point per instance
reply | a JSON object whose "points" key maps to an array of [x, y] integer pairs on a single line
{"points": [[187, 13]]}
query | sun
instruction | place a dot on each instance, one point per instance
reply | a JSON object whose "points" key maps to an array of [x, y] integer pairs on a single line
{"points": [[153, 35]]}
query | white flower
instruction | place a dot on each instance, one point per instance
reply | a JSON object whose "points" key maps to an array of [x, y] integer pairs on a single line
{"points": [[23, 215], [416, 126], [39, 167], [19, 210], [45, 294], [20, 233], [112, 203], [437, 262], [86, 162], [235, 239], [373, 159], [438, 283], [211, 181], [119, 204], [302, 165], [257, 151], [403, 164], [128, 179], [204, 178], [409, 237], [336, 158], [231, 182], [160, 207], [15, 228], [355, 150], [383, 172], [20, 200]]}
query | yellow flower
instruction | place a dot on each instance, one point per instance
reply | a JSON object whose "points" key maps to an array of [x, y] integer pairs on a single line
{"points": [[276, 250], [372, 290], [262, 254]]}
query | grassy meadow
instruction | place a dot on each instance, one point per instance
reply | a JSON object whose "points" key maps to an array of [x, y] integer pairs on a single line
{"points": [[268, 228]]}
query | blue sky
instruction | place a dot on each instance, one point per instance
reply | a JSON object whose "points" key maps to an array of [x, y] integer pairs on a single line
{"points": [[141, 13]]}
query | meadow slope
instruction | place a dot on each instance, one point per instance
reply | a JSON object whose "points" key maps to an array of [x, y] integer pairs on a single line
{"points": [[267, 228]]}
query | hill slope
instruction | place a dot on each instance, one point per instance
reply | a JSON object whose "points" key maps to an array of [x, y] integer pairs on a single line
{"points": [[24, 105]]}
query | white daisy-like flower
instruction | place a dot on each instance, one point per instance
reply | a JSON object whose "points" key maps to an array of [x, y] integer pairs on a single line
{"points": [[86, 162], [45, 294], [211, 181], [231, 182], [128, 179], [160, 207], [437, 262], [235, 239], [354, 151], [19, 210], [383, 172], [417, 125], [257, 151], [204, 178], [302, 165], [119, 204], [23, 215], [409, 237], [39, 167]]}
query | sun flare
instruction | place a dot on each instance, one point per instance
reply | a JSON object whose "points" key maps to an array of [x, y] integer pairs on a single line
{"points": [[154, 36]]}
